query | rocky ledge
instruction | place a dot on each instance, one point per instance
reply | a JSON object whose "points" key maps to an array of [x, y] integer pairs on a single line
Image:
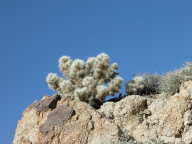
{"points": [[134, 118]]}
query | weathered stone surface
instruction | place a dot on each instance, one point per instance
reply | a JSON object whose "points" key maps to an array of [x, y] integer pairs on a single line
{"points": [[69, 123], [125, 113], [56, 118], [49, 102], [28, 127], [187, 136], [167, 119], [143, 118]]}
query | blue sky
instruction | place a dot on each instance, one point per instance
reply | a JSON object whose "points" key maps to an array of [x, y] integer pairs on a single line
{"points": [[142, 36]]}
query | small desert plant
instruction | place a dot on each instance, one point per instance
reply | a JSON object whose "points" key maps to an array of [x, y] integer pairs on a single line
{"points": [[86, 80], [172, 81], [144, 85], [186, 72], [135, 86]]}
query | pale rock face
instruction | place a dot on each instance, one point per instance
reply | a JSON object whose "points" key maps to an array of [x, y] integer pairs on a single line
{"points": [[187, 136], [27, 130], [187, 133], [168, 118], [68, 122], [63, 121], [125, 112]]}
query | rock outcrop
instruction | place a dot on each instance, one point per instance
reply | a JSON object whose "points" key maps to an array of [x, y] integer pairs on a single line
{"points": [[69, 122], [166, 118], [61, 121]]}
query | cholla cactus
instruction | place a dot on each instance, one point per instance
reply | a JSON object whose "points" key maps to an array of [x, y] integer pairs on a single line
{"points": [[86, 80], [144, 85]]}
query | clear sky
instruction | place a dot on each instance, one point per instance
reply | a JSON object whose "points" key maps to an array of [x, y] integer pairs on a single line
{"points": [[141, 35]]}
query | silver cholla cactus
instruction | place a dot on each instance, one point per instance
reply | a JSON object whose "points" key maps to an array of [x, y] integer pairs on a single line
{"points": [[85, 80]]}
